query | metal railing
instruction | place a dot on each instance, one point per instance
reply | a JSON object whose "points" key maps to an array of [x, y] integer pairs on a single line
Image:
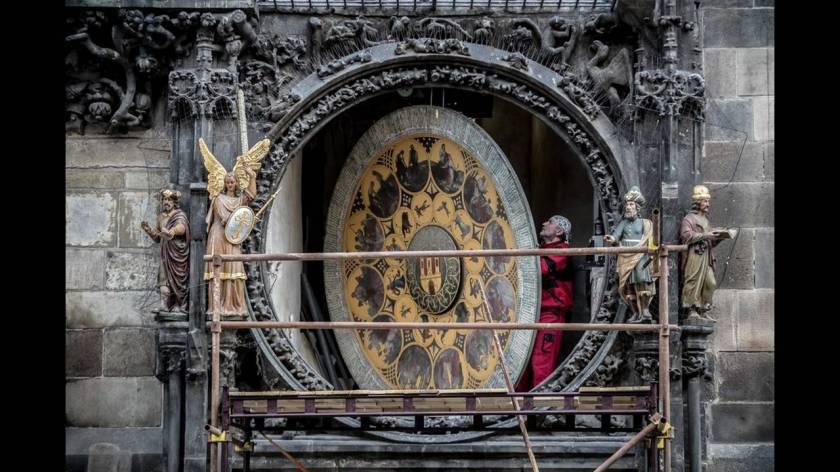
{"points": [[664, 329]]}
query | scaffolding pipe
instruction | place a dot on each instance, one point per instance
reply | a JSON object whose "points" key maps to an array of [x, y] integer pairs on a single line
{"points": [[629, 445], [664, 350], [324, 256], [380, 325], [216, 332]]}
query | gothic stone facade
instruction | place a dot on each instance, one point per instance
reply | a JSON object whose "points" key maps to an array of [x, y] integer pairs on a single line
{"points": [[142, 83]]}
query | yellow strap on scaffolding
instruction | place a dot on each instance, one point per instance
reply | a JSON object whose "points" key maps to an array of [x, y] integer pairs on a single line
{"points": [[245, 447], [666, 432], [216, 438]]}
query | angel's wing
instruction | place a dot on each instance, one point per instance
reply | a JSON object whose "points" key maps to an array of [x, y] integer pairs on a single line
{"points": [[215, 171], [253, 159]]}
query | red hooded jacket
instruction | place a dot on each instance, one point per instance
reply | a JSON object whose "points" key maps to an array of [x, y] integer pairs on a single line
{"points": [[556, 280]]}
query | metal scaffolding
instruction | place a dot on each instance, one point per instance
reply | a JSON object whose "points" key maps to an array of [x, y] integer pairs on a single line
{"points": [[657, 422]]}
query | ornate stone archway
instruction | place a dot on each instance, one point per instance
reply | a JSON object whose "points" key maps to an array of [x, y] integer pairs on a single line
{"points": [[445, 63]]}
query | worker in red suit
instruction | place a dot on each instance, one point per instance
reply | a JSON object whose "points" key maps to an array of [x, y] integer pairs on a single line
{"points": [[556, 302]]}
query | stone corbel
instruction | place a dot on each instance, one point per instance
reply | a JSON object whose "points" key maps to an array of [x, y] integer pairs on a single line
{"points": [[170, 360], [171, 344], [646, 358], [696, 334]]}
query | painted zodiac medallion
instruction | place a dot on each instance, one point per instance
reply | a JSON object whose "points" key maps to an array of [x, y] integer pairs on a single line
{"points": [[433, 282], [424, 191]]}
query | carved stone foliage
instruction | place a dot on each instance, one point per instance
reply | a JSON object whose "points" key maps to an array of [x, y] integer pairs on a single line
{"points": [[307, 119], [113, 59], [143, 44], [647, 366], [261, 82], [267, 68], [209, 91], [671, 93], [573, 86], [592, 55], [169, 360], [124, 45], [696, 334], [440, 46], [517, 61], [694, 364], [279, 51], [339, 64], [607, 369]]}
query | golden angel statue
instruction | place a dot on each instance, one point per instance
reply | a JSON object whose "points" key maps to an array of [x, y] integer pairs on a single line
{"points": [[228, 192]]}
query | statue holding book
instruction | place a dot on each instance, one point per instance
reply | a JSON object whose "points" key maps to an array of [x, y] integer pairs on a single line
{"points": [[698, 263]]}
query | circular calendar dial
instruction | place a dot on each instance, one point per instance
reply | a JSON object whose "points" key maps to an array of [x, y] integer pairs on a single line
{"points": [[426, 192]]}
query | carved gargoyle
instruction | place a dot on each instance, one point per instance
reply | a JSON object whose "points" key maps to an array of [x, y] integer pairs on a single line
{"points": [[279, 50], [326, 33], [602, 24], [442, 28], [366, 31], [484, 29], [399, 28], [558, 38], [617, 74]]}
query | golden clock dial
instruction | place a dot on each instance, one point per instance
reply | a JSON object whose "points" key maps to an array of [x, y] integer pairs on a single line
{"points": [[426, 192]]}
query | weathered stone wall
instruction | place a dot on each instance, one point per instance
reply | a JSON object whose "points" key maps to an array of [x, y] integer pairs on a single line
{"points": [[112, 395], [738, 167]]}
